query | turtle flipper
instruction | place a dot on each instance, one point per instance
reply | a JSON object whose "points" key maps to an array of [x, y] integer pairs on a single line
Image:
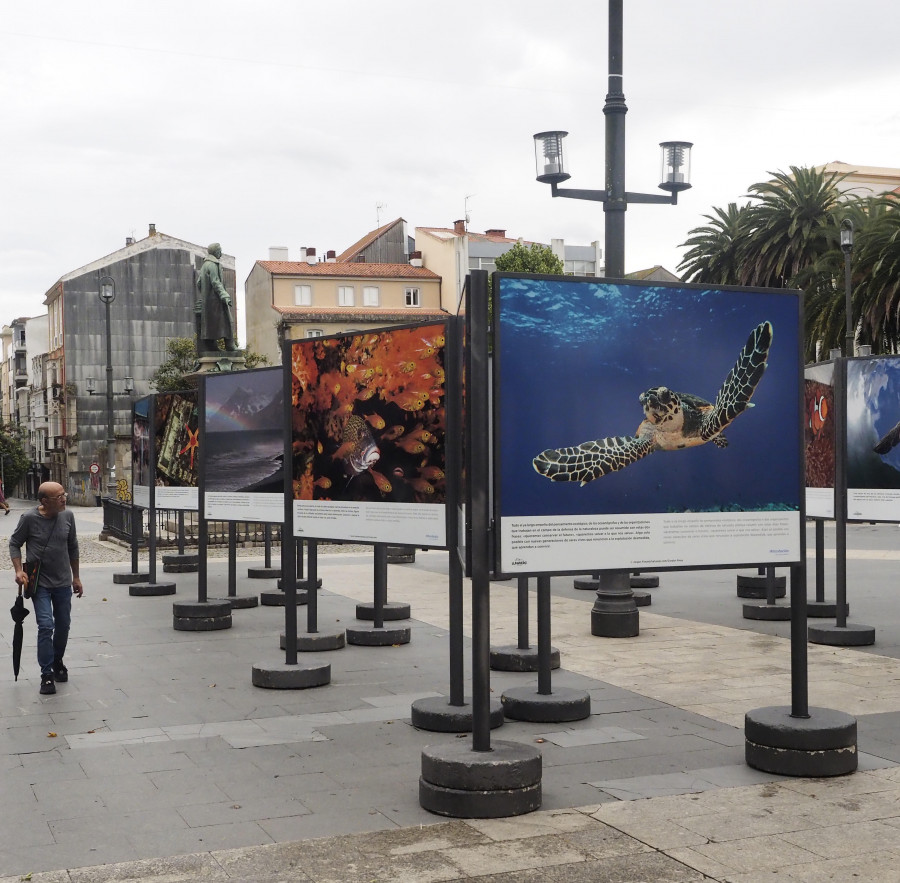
{"points": [[890, 440], [734, 396], [592, 459]]}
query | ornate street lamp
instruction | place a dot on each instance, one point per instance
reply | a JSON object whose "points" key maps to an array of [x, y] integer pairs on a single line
{"points": [[847, 248], [107, 296], [614, 613]]}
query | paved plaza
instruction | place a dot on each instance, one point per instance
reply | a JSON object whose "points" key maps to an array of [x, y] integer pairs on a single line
{"points": [[160, 761]]}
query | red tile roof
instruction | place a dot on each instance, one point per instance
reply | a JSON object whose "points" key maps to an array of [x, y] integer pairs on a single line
{"points": [[347, 270]]}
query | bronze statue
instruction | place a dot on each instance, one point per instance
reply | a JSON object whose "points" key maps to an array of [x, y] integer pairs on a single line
{"points": [[215, 317]]}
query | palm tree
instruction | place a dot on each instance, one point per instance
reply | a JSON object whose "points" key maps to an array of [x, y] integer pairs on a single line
{"points": [[712, 258], [876, 282], [788, 226]]}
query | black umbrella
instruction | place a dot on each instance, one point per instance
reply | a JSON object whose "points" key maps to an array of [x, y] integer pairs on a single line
{"points": [[18, 612]]}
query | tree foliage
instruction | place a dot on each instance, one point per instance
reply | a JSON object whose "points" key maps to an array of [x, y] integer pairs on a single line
{"points": [[170, 376], [788, 235], [534, 258], [15, 459]]}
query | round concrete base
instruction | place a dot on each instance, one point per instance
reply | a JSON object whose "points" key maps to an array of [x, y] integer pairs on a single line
{"points": [[129, 578], [465, 784], [586, 584], [622, 623], [437, 715], [401, 554], [645, 582], [392, 610], [824, 744], [363, 636], [276, 598], [143, 590], [754, 586], [178, 563], [512, 658], [824, 609], [240, 602], [201, 616], [525, 704], [841, 636], [310, 642], [767, 612], [642, 599], [302, 584], [291, 677], [263, 572]]}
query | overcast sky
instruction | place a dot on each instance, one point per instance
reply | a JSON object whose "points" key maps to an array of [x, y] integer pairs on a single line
{"points": [[297, 124]]}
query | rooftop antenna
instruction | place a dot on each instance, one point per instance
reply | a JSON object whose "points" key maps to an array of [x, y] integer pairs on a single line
{"points": [[378, 207], [466, 209]]}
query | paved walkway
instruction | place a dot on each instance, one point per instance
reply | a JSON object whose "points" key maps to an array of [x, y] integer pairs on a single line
{"points": [[160, 761]]}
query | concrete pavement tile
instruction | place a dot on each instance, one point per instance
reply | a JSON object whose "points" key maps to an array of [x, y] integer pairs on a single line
{"points": [[515, 855], [878, 867], [840, 786], [837, 841], [45, 877], [647, 867], [656, 833], [652, 786], [258, 809], [172, 870], [247, 785], [753, 854], [535, 824], [599, 736]]}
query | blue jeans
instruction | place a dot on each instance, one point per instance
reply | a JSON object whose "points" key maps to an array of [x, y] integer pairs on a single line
{"points": [[53, 612]]}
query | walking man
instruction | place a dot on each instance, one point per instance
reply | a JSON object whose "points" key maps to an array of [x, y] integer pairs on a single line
{"points": [[51, 543]]}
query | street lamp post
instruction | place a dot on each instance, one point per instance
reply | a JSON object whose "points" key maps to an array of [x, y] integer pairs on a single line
{"points": [[108, 295], [615, 613], [847, 248]]}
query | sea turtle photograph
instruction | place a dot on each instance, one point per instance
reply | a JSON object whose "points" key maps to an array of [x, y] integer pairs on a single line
{"points": [[717, 373], [672, 421]]}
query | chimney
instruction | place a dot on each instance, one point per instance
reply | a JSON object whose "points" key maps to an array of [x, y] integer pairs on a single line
{"points": [[278, 253], [495, 232], [459, 227], [330, 256], [129, 240], [153, 229], [310, 255], [415, 259]]}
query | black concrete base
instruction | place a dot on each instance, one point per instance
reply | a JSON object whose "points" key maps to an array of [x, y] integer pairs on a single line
{"points": [[526, 704], [302, 584], [642, 599], [437, 715], [240, 602], [754, 586], [509, 657], [263, 572], [645, 582], [824, 609], [465, 784], [276, 598], [849, 635], [391, 611], [767, 612], [291, 677], [128, 578], [201, 616], [586, 584], [615, 620], [143, 590], [364, 636], [178, 563], [824, 744], [310, 642]]}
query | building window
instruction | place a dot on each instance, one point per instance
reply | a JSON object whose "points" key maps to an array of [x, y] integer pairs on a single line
{"points": [[580, 268], [371, 297], [345, 296], [482, 264], [412, 297], [303, 295], [314, 332]]}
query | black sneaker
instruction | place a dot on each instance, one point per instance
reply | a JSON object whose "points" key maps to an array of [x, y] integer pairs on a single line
{"points": [[47, 685], [60, 673]]}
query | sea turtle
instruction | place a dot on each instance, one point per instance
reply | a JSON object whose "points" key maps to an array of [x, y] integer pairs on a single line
{"points": [[672, 420]]}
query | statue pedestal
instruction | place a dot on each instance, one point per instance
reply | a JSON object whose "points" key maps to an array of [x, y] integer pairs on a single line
{"points": [[218, 363]]}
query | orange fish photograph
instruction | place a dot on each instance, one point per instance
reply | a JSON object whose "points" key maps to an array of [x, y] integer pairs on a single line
{"points": [[368, 416]]}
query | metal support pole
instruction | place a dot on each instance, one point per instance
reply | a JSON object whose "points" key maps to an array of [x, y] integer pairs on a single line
{"points": [[614, 110], [232, 559], [312, 595], [267, 543], [799, 667], [523, 612], [110, 428], [840, 494], [820, 561], [380, 583], [849, 333], [543, 629]]}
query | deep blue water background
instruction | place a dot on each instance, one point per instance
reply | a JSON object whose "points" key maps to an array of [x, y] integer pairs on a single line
{"points": [[573, 357]]}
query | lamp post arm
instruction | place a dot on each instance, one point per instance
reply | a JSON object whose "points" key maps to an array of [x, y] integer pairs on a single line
{"points": [[575, 193], [655, 198]]}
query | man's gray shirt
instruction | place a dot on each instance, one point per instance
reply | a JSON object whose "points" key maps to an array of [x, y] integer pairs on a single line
{"points": [[53, 541]]}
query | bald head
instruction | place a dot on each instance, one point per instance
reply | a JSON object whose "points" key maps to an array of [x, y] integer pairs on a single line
{"points": [[49, 490]]}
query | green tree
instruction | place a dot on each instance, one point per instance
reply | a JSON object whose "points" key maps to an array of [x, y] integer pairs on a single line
{"points": [[15, 460], [170, 375], [534, 258], [713, 254]]}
